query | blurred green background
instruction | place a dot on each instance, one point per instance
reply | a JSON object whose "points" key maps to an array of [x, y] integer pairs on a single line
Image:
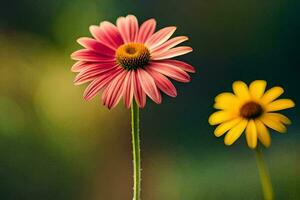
{"points": [[56, 146]]}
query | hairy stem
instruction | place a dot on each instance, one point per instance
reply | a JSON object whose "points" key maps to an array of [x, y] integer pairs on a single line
{"points": [[135, 115]]}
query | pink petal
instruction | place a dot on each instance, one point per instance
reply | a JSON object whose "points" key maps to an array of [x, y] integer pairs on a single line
{"points": [[168, 45], [94, 45], [182, 65], [86, 77], [113, 93], [134, 27], [160, 37], [92, 73], [78, 66], [162, 82], [146, 30], [139, 94], [108, 34], [102, 81], [149, 85], [81, 65], [170, 71], [177, 51], [91, 56], [128, 89], [128, 28]]}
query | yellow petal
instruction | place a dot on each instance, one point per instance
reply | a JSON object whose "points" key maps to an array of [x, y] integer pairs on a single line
{"points": [[234, 107], [280, 104], [273, 123], [226, 100], [219, 117], [263, 133], [241, 90], [224, 127], [235, 132], [257, 88], [272, 94], [225, 96], [279, 117], [251, 134]]}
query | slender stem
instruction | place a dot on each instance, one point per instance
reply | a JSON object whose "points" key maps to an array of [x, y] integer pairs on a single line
{"points": [[264, 176], [135, 115]]}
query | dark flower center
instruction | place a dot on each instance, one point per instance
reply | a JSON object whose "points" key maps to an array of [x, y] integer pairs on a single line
{"points": [[251, 110], [132, 56]]}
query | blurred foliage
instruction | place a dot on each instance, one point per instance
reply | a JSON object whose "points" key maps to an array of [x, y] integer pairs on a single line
{"points": [[45, 121]]}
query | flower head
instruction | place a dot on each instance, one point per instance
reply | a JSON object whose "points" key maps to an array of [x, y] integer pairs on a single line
{"points": [[130, 61], [250, 109]]}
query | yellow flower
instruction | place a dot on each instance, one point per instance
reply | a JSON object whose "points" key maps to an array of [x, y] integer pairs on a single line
{"points": [[250, 109]]}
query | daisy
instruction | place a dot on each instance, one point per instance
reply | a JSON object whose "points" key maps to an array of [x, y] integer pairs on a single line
{"points": [[130, 61], [251, 110]]}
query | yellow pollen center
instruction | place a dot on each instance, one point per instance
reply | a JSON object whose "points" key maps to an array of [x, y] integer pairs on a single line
{"points": [[251, 110], [132, 56]]}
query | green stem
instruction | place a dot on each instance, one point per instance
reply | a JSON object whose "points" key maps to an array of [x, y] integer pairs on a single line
{"points": [[264, 176], [135, 117]]}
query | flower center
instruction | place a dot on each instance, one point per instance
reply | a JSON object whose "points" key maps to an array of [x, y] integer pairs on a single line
{"points": [[251, 110], [132, 56]]}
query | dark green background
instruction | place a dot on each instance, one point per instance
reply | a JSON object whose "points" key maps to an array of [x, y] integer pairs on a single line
{"points": [[56, 146]]}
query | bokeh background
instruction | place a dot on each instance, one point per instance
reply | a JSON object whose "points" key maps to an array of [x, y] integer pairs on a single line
{"points": [[56, 146]]}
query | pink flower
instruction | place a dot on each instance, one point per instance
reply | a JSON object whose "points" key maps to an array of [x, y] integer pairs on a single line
{"points": [[130, 61]]}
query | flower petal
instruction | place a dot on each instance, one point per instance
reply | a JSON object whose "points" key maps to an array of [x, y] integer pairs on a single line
{"points": [[263, 133], [108, 34], [170, 71], [280, 104], [113, 92], [160, 37], [92, 72], [81, 79], [226, 126], [273, 123], [128, 27], [128, 89], [168, 45], [251, 134], [226, 97], [163, 83], [139, 94], [134, 27], [91, 56], [146, 30], [102, 81], [220, 117], [121, 24], [279, 117], [235, 132], [272, 94], [257, 88], [182, 65], [96, 46], [174, 52], [149, 86], [227, 101], [80, 66], [241, 90]]}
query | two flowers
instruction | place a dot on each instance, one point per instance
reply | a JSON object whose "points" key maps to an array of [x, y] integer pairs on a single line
{"points": [[132, 62]]}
